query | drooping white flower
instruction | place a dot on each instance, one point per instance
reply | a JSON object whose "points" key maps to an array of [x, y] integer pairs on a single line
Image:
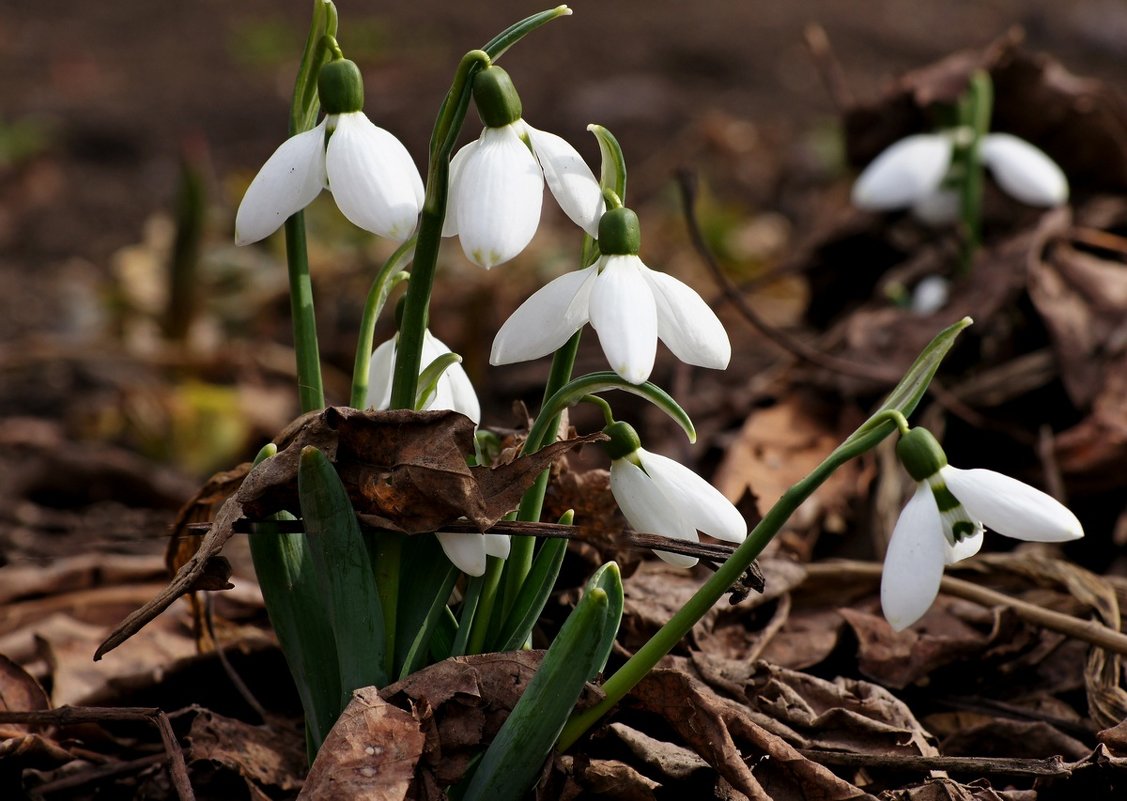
{"points": [[911, 173], [454, 391], [372, 177], [629, 305], [944, 520], [660, 496], [497, 182]]}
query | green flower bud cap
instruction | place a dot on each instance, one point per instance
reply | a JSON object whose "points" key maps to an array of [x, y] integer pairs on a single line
{"points": [[623, 440], [498, 103], [920, 454], [620, 234], [340, 87]]}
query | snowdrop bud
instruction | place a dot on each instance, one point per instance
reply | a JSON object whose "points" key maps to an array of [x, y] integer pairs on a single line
{"points": [[498, 103], [620, 234], [624, 440], [920, 454], [340, 87]]}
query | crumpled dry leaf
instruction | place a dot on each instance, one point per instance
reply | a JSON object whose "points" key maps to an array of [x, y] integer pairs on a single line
{"points": [[585, 777], [19, 692], [744, 753], [262, 756], [669, 759], [404, 471], [1013, 738], [369, 755], [842, 715]]}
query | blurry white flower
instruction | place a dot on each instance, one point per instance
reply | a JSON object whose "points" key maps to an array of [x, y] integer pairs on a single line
{"points": [[372, 177], [629, 305], [660, 496], [943, 523], [930, 294], [910, 173], [454, 390], [497, 182]]}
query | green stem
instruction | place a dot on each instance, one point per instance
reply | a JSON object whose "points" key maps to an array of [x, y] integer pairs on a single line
{"points": [[976, 120], [408, 352], [490, 582], [720, 582], [309, 387], [522, 549], [388, 548], [384, 282]]}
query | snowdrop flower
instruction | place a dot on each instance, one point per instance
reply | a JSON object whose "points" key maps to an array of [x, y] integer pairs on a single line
{"points": [[943, 524], [497, 182], [371, 175], [454, 391], [659, 496], [911, 173], [629, 305]]}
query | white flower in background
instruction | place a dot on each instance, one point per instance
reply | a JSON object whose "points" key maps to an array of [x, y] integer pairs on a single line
{"points": [[497, 182], [454, 391], [930, 294], [629, 305], [372, 177], [660, 496], [943, 524], [910, 174]]}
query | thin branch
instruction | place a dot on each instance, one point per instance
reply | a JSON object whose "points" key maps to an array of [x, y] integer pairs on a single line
{"points": [[99, 773], [1052, 766], [1088, 631], [67, 715], [829, 68], [687, 183]]}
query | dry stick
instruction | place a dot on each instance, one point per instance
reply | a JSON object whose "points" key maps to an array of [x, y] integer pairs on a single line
{"points": [[66, 715], [1096, 238], [1052, 766], [221, 652], [107, 771], [1085, 630], [687, 183], [829, 68]]}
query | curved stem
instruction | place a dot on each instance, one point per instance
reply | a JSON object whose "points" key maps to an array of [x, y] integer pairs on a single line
{"points": [[384, 282]]}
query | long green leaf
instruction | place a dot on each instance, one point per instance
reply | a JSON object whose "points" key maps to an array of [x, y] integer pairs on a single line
{"points": [[533, 596], [344, 572]]}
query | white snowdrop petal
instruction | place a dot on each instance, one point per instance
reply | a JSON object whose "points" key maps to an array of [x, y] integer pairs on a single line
{"points": [[686, 324], [380, 369], [450, 221], [930, 294], [570, 179], [647, 510], [624, 315], [466, 551], [288, 182], [963, 549], [373, 179], [1010, 507], [913, 566], [497, 545], [1025, 172], [497, 198], [454, 390], [700, 504], [545, 321], [904, 173]]}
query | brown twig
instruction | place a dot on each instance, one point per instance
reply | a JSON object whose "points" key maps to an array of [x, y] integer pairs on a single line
{"points": [[1088, 631], [829, 68], [221, 652], [686, 180], [69, 782], [1094, 237], [1052, 766], [67, 715]]}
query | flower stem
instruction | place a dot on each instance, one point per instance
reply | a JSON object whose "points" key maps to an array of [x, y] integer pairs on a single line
{"points": [[975, 111], [720, 582], [309, 388], [522, 549], [384, 282], [481, 622]]}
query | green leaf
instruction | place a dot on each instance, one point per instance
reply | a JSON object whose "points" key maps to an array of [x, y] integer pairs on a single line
{"points": [[533, 596], [608, 578], [518, 30], [612, 174], [341, 560], [514, 758]]}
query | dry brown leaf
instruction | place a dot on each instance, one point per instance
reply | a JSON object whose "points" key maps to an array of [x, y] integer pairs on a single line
{"points": [[602, 778], [1013, 738], [19, 692], [369, 755], [668, 759], [263, 756], [723, 734]]}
